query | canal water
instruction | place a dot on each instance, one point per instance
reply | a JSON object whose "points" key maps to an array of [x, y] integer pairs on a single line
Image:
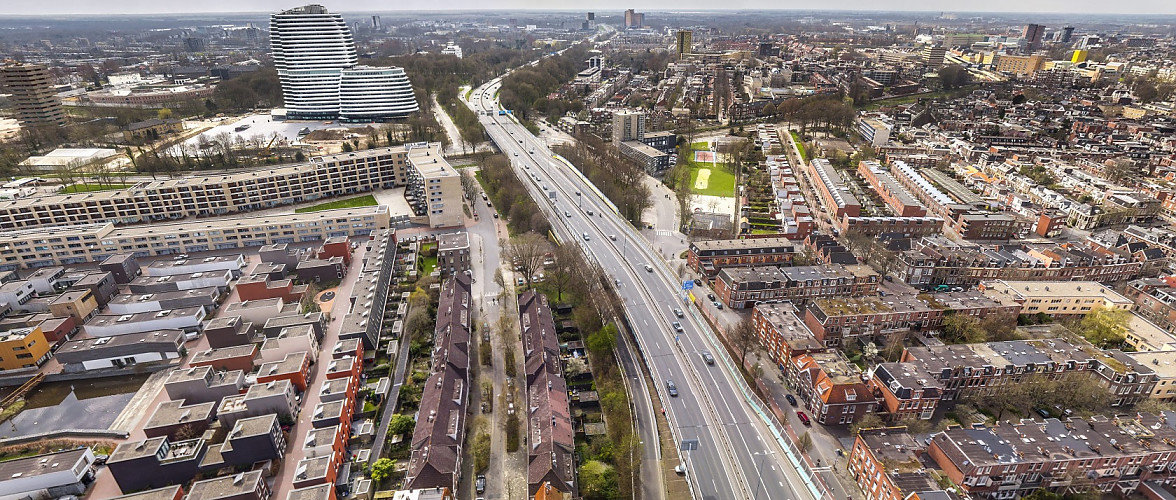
{"points": [[80, 404]]}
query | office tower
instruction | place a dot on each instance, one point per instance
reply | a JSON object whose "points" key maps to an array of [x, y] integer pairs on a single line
{"points": [[628, 126], [1067, 33], [315, 56], [591, 16], [685, 41], [376, 23], [33, 96], [933, 55], [634, 19], [1032, 36]]}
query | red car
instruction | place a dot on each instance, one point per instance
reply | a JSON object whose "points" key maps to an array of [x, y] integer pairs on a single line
{"points": [[803, 418]]}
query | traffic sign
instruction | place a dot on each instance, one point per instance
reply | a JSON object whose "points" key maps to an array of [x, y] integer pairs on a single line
{"points": [[689, 445], [688, 285]]}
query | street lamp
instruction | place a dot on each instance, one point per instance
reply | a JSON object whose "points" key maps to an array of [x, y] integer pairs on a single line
{"points": [[759, 466]]}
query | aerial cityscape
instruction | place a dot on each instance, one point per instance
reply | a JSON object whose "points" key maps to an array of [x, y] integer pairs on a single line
{"points": [[255, 251]]}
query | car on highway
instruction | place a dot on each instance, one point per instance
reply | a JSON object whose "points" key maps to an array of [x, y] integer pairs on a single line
{"points": [[791, 399], [480, 484], [612, 237], [678, 313], [648, 268], [586, 238], [671, 388], [804, 419], [567, 213], [706, 356], [590, 213], [678, 327]]}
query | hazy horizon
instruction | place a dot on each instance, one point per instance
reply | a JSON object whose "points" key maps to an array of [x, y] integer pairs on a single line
{"points": [[137, 7]]}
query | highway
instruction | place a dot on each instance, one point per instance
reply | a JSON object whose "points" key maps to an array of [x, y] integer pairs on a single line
{"points": [[738, 455]]}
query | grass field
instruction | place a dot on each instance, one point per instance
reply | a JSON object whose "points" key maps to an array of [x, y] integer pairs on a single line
{"points": [[362, 201], [799, 145], [720, 181], [90, 188]]}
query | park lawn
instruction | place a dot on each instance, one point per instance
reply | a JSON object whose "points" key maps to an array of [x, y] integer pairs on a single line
{"points": [[700, 146], [90, 188], [799, 145], [362, 201]]}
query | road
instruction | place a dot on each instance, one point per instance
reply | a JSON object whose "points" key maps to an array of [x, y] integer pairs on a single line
{"points": [[738, 455]]}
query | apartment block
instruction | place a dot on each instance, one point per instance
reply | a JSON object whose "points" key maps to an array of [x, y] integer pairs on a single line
{"points": [[830, 387], [23, 348], [34, 247], [240, 357], [203, 384], [744, 287], [50, 475], [273, 327], [155, 462], [781, 331], [101, 284], [710, 256], [120, 351], [123, 266], [258, 311], [291, 340], [171, 418], [249, 441], [257, 287], [184, 265], [874, 131], [1057, 298], [180, 282], [274, 397], [228, 331], [241, 486], [453, 253], [294, 367], [187, 319], [135, 303], [212, 196], [885, 463], [832, 320], [905, 392]]}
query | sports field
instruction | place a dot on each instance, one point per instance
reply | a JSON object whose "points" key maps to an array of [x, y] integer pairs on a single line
{"points": [[706, 178]]}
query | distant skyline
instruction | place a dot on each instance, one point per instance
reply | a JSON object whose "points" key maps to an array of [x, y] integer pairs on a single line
{"points": [[115, 7]]}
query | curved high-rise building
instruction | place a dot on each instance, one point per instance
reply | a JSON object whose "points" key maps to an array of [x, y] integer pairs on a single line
{"points": [[315, 56], [369, 94]]}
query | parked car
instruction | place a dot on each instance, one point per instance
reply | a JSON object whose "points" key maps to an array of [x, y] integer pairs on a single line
{"points": [[718, 305], [710, 296], [706, 356], [480, 484], [671, 388], [1043, 412], [804, 419], [791, 399]]}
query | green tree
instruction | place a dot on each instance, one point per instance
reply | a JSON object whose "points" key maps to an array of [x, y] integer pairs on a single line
{"points": [[960, 328], [598, 481], [381, 470], [870, 421], [602, 341], [401, 424], [1105, 328], [163, 113]]}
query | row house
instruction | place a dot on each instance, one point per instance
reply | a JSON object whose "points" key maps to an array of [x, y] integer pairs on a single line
{"points": [[436, 447], [1103, 455], [708, 257], [886, 463], [550, 436]]}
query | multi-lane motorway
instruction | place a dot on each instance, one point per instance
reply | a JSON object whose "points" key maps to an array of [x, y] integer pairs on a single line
{"points": [[737, 454]]}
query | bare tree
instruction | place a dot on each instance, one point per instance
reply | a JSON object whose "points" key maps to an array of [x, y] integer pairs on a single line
{"points": [[526, 251], [561, 272], [743, 338], [469, 185]]}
